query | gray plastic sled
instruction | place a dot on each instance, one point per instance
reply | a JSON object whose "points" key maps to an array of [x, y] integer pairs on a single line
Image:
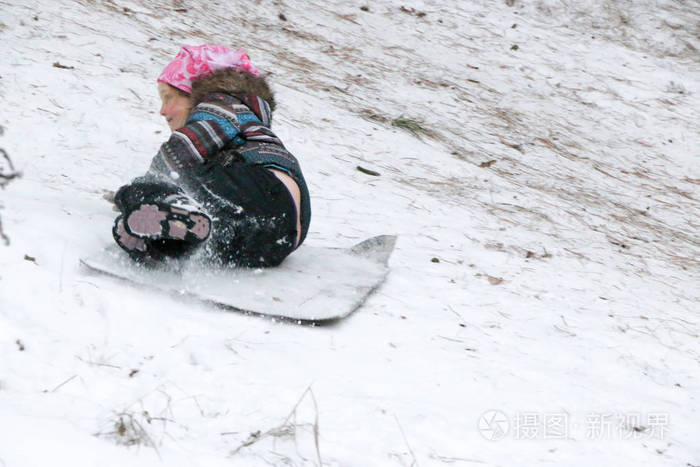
{"points": [[313, 285]]}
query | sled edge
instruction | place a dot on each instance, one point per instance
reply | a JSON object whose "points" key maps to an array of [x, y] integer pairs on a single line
{"points": [[377, 248]]}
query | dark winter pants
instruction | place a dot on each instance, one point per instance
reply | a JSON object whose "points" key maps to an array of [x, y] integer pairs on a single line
{"points": [[253, 214]]}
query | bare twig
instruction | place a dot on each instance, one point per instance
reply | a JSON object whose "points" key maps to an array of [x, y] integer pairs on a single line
{"points": [[5, 178], [64, 383], [415, 461], [90, 362], [134, 93], [12, 174], [4, 237]]}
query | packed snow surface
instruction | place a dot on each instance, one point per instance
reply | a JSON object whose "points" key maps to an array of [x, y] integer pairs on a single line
{"points": [[539, 160]]}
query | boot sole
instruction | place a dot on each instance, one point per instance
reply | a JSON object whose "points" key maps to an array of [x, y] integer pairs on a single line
{"points": [[153, 221], [129, 243]]}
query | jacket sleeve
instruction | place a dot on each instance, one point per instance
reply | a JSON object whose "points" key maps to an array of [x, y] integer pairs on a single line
{"points": [[210, 128]]}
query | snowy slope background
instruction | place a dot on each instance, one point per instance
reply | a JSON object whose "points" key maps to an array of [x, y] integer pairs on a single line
{"points": [[539, 161]]}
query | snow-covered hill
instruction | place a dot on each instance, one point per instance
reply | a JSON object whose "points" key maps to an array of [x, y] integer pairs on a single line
{"points": [[540, 161]]}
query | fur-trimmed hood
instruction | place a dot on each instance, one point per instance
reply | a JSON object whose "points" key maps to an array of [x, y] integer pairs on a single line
{"points": [[230, 81]]}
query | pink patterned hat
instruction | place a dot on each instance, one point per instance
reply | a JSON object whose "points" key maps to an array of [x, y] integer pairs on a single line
{"points": [[193, 62]]}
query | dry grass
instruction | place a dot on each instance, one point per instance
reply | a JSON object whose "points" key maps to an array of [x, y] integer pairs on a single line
{"points": [[411, 125], [415, 127], [127, 429], [288, 428]]}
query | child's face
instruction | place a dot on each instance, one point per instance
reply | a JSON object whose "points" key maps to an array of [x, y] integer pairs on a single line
{"points": [[176, 106]]}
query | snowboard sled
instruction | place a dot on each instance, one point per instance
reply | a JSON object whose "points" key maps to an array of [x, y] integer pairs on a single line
{"points": [[313, 285]]}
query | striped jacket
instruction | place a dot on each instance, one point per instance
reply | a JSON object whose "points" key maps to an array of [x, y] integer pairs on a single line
{"points": [[227, 128]]}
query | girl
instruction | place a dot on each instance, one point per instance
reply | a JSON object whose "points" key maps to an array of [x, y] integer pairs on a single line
{"points": [[223, 180]]}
